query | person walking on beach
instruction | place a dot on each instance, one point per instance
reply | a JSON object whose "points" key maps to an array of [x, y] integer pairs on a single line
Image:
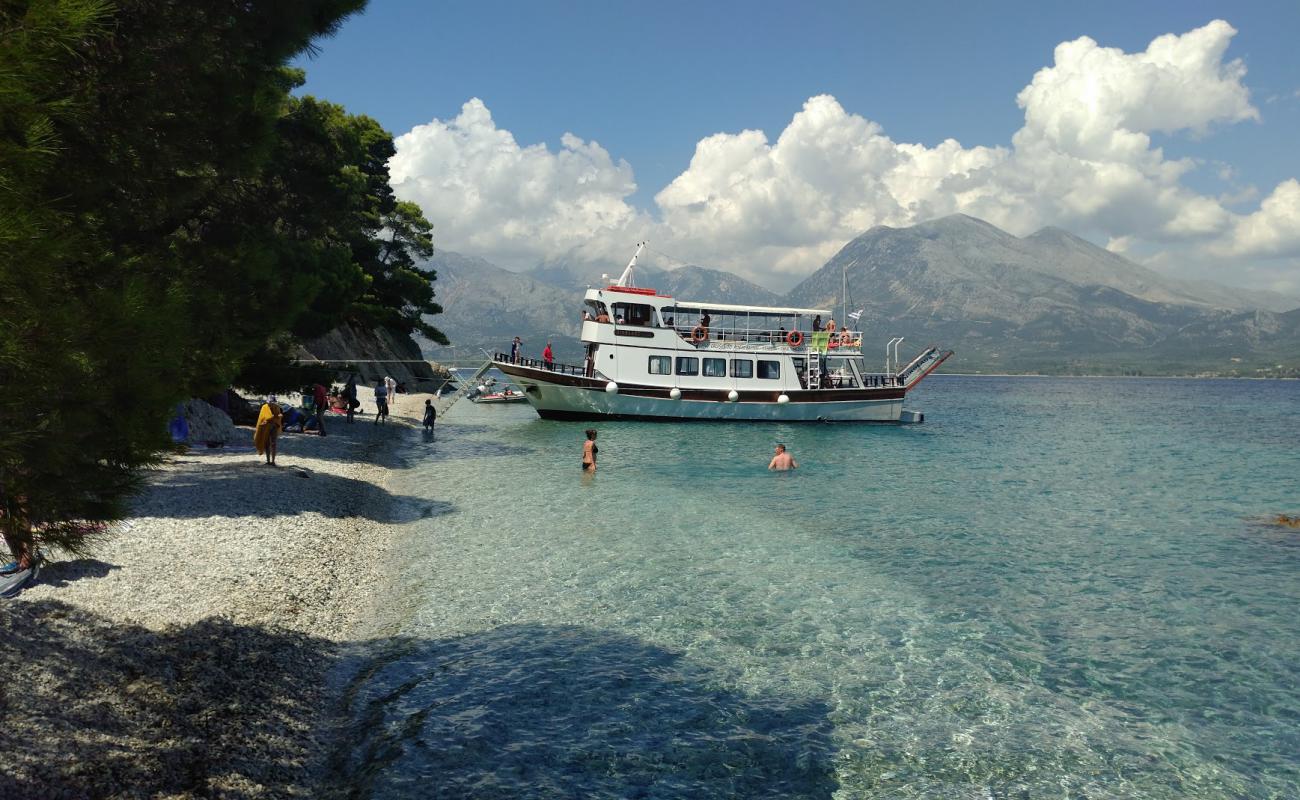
{"points": [[381, 401], [430, 415], [350, 396], [266, 436], [391, 384], [782, 461], [319, 396], [589, 451], [548, 357], [515, 347]]}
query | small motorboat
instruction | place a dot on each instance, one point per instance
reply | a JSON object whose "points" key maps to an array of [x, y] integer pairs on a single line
{"points": [[489, 393]]}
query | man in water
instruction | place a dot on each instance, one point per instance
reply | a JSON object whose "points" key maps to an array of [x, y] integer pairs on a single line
{"points": [[782, 461]]}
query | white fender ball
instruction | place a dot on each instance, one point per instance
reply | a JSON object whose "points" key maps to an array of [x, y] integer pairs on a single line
{"points": [[783, 398], [482, 387], [733, 395], [675, 394], [611, 388]]}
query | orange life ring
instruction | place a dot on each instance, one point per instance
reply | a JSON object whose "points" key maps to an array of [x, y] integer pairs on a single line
{"points": [[794, 338], [699, 334]]}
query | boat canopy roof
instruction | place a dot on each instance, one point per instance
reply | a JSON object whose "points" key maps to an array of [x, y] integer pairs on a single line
{"points": [[687, 305]]}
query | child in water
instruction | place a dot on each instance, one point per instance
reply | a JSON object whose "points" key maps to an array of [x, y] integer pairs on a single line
{"points": [[430, 415]]}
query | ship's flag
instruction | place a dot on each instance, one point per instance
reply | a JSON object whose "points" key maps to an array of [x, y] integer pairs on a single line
{"points": [[856, 315]]}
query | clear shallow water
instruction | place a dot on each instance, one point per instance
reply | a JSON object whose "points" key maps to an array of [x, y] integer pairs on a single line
{"points": [[1052, 588]]}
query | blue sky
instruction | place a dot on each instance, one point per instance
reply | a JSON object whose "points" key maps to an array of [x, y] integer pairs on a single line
{"points": [[648, 81]]}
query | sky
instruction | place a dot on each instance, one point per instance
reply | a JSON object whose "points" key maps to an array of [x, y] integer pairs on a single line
{"points": [[761, 137]]}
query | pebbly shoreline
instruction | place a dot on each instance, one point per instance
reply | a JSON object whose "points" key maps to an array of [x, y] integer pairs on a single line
{"points": [[191, 655]]}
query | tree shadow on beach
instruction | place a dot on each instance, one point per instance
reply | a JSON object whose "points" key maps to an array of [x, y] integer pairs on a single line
{"points": [[62, 573], [224, 489], [93, 708], [97, 709], [532, 711]]}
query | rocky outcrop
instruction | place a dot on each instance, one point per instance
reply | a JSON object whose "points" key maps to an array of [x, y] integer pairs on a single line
{"points": [[373, 354]]}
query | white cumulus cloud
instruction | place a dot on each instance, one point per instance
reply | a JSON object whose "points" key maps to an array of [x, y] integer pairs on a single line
{"points": [[775, 210], [487, 195]]}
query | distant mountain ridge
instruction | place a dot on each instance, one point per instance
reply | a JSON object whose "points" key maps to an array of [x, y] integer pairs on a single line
{"points": [[1050, 301]]}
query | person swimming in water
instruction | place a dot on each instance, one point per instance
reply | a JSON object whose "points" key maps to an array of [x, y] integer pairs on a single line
{"points": [[589, 451]]}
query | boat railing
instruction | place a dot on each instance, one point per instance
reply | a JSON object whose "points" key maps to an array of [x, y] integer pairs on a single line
{"points": [[537, 363], [761, 340]]}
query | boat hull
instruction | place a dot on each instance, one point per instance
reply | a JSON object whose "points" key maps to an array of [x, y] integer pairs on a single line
{"points": [[557, 396]]}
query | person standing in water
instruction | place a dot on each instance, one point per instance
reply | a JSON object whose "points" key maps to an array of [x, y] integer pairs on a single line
{"points": [[782, 461], [430, 415], [266, 436], [589, 451]]}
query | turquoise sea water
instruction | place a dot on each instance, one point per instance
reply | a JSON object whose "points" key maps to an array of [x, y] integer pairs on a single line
{"points": [[1054, 588]]}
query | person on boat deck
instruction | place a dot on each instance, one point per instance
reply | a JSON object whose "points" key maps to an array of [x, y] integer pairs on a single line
{"points": [[782, 461], [831, 326], [548, 356], [781, 334], [603, 316], [705, 319], [381, 402], [515, 347], [266, 436], [668, 322], [430, 415], [589, 451], [817, 323]]}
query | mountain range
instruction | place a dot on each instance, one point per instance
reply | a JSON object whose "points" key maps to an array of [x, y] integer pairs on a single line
{"points": [[1049, 302]]}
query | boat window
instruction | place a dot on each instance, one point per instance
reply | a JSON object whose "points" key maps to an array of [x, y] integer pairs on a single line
{"points": [[742, 368], [661, 365], [632, 313], [800, 365], [715, 367], [596, 310], [769, 369], [687, 365]]}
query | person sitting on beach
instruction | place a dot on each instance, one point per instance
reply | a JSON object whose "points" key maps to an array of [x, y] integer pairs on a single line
{"points": [[381, 402], [782, 461], [270, 421], [589, 451], [430, 415]]}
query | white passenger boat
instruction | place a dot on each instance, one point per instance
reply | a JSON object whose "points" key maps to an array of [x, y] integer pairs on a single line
{"points": [[651, 356]]}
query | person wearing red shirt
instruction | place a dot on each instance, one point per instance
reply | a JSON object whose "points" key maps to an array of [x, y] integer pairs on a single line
{"points": [[322, 403], [548, 358]]}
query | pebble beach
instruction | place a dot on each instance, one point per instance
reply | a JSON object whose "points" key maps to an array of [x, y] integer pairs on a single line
{"points": [[191, 652]]}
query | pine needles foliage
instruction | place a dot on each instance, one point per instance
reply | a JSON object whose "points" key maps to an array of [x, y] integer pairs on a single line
{"points": [[170, 213]]}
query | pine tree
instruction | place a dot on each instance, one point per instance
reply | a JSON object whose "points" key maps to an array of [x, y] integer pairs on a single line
{"points": [[125, 284]]}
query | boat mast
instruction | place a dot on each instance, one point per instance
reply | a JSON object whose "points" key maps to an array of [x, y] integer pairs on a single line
{"points": [[626, 278]]}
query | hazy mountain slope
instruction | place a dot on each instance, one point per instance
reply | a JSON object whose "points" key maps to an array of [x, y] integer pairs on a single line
{"points": [[686, 283], [1046, 302], [484, 306]]}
